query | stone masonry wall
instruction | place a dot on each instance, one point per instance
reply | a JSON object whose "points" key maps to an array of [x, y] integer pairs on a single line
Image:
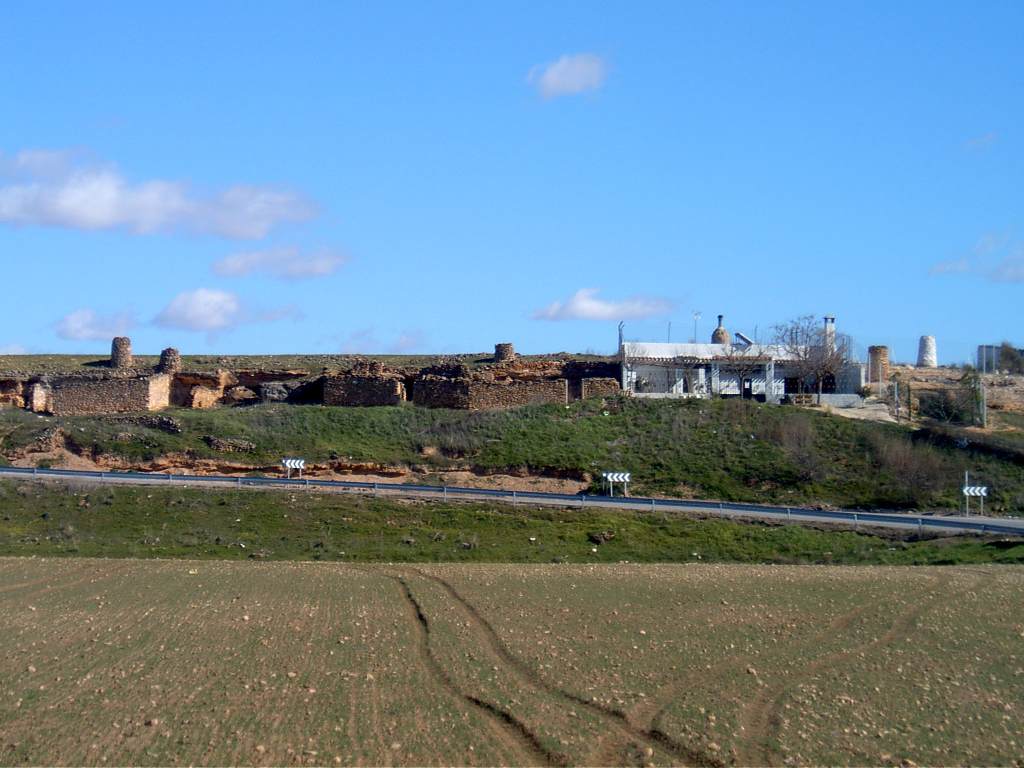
{"points": [[79, 396], [363, 390], [486, 395], [441, 392], [600, 388]]}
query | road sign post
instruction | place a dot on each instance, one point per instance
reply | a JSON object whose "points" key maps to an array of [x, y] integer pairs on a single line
{"points": [[611, 478], [290, 464], [974, 491]]}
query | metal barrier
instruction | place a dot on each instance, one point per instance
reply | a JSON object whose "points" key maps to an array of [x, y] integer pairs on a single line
{"points": [[726, 509]]}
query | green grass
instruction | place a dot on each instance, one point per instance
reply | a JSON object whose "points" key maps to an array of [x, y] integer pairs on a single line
{"points": [[56, 520], [56, 364], [731, 450]]}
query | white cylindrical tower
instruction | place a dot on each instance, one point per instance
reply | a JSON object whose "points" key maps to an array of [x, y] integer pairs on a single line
{"points": [[926, 355]]}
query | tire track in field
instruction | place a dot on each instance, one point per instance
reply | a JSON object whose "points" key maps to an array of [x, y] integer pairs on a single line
{"points": [[624, 730], [508, 729], [647, 715], [762, 717]]}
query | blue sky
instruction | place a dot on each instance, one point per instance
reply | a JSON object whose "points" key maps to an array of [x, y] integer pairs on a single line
{"points": [[436, 177]]}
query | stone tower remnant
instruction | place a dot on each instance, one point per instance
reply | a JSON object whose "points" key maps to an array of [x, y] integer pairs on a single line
{"points": [[926, 354], [504, 353], [878, 360], [170, 361], [121, 353]]}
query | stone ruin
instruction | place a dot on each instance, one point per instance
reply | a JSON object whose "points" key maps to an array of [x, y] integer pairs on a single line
{"points": [[507, 382], [170, 361], [121, 353], [504, 353]]}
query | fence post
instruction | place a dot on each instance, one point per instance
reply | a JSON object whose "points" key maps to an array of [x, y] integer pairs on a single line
{"points": [[445, 492], [789, 513], [583, 500], [515, 499], [854, 521], [375, 488], [920, 526], [35, 470], [652, 505]]}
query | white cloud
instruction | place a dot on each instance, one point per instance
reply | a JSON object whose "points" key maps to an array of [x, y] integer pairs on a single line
{"points": [[584, 305], [46, 188], [571, 74], [13, 349], [86, 324], [286, 263], [212, 311], [203, 309]]}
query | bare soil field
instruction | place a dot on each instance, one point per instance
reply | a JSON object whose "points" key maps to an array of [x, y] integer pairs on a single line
{"points": [[113, 662]]}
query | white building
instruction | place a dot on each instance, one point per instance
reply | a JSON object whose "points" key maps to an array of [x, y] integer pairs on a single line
{"points": [[739, 368]]}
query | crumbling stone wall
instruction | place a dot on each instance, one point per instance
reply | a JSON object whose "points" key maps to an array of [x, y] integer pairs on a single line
{"points": [[496, 395], [360, 390], [80, 396], [200, 390], [602, 387], [39, 395], [12, 393], [432, 391], [121, 353]]}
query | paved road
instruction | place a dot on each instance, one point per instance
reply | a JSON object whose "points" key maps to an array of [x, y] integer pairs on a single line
{"points": [[946, 524]]}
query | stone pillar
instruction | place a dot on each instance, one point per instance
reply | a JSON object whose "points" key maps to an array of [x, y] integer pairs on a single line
{"points": [[504, 353], [716, 380], [878, 360], [121, 353], [170, 361]]}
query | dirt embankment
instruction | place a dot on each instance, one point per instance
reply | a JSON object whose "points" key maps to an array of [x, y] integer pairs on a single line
{"points": [[59, 455]]}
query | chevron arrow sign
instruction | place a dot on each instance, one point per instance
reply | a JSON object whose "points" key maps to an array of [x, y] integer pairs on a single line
{"points": [[293, 463], [616, 477], [976, 490]]}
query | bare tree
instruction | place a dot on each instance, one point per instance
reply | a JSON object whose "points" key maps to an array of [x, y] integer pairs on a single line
{"points": [[746, 361], [816, 353]]}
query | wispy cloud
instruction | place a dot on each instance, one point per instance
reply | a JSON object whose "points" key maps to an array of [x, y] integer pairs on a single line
{"points": [[87, 324], [282, 263], [570, 74], [12, 349], [366, 341], [980, 260], [950, 267], [982, 142], [55, 189], [585, 305], [407, 343], [214, 311], [1010, 269]]}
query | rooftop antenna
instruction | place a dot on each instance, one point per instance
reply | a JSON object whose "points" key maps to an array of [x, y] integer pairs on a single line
{"points": [[669, 339], [696, 317]]}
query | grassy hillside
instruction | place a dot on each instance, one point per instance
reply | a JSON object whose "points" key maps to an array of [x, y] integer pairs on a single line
{"points": [[731, 449], [43, 519]]}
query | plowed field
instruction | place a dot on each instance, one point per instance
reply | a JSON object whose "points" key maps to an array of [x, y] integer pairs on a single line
{"points": [[181, 662]]}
